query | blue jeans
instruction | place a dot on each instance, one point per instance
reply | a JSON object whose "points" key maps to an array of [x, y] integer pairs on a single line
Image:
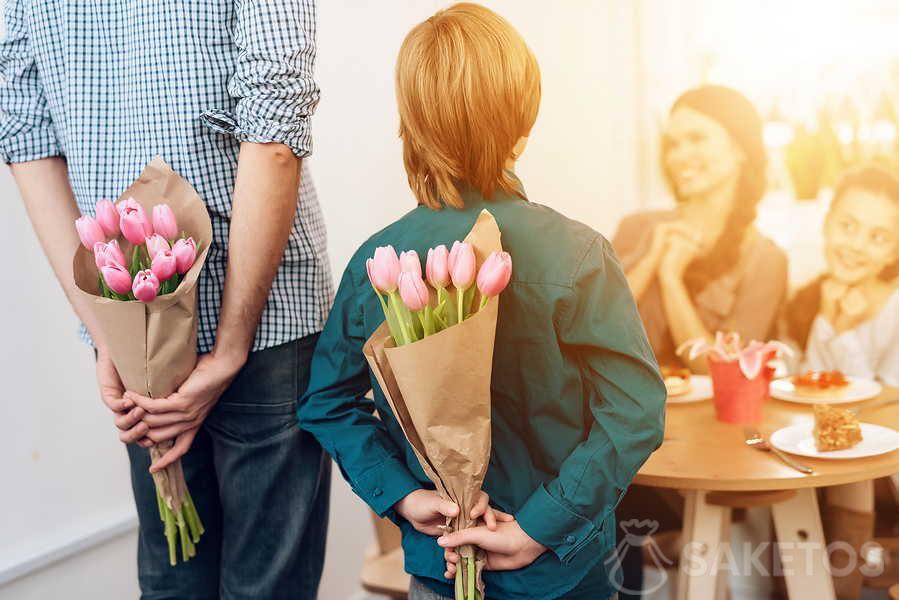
{"points": [[419, 591], [261, 487]]}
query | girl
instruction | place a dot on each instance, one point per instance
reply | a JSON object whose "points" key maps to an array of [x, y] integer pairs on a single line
{"points": [[577, 397], [848, 320]]}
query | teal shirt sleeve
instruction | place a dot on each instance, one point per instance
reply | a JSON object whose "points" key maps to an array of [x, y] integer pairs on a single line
{"points": [[600, 329], [334, 409]]}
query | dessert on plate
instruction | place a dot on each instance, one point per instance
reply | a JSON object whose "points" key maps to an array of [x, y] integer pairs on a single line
{"points": [[677, 380], [821, 384], [835, 428]]}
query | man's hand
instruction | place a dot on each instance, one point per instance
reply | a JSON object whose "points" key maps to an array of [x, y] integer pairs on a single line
{"points": [[428, 512], [508, 548], [181, 414], [126, 416]]}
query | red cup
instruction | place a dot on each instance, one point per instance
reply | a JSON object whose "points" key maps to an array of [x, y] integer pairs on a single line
{"points": [[738, 399]]}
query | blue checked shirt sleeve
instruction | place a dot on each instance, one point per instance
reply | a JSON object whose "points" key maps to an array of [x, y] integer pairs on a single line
{"points": [[273, 82], [26, 129]]}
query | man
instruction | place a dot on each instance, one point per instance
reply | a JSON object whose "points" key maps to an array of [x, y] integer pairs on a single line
{"points": [[223, 91]]}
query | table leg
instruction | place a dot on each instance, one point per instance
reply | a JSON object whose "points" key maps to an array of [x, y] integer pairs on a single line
{"points": [[803, 550], [704, 528]]}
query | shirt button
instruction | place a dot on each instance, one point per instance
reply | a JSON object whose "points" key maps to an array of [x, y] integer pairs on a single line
{"points": [[377, 492], [569, 539]]}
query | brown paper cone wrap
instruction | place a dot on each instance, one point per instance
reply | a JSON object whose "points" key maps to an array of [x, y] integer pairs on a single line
{"points": [[439, 391], [154, 345]]}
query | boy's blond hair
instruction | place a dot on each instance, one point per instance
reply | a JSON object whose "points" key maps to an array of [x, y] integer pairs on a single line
{"points": [[468, 88]]}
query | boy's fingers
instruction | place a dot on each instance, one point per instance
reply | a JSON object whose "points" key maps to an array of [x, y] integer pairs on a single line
{"points": [[480, 536], [481, 506], [503, 517], [447, 508], [490, 519], [450, 556]]}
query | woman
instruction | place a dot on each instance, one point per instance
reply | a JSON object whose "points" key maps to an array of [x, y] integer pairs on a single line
{"points": [[703, 267], [848, 320], [577, 398]]}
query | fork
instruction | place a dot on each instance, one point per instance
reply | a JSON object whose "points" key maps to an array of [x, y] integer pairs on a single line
{"points": [[755, 440]]}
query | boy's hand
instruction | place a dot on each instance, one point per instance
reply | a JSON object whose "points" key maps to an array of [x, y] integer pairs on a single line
{"points": [[508, 548], [427, 511]]}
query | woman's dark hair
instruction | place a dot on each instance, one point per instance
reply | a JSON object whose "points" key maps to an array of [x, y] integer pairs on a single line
{"points": [[806, 304], [733, 111]]}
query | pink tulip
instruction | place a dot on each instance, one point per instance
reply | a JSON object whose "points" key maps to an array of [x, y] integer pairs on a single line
{"points": [[438, 267], [185, 251], [409, 262], [384, 269], [413, 291], [164, 222], [90, 231], [164, 265], [462, 265], [146, 286], [108, 217], [495, 274], [108, 252], [133, 222], [156, 244], [116, 277]]}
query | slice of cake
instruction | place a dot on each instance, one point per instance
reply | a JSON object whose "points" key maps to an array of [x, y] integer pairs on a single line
{"points": [[835, 428], [677, 380]]}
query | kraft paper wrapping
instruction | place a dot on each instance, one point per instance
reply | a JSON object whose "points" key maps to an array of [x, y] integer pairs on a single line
{"points": [[154, 345], [439, 391]]}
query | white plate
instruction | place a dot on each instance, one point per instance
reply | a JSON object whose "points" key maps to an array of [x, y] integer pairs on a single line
{"points": [[798, 439], [859, 389], [701, 389]]}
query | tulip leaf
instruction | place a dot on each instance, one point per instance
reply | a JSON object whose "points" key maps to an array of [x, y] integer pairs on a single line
{"points": [[135, 261]]}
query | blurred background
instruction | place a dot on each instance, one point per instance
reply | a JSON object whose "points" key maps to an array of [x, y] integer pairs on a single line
{"points": [[824, 75]]}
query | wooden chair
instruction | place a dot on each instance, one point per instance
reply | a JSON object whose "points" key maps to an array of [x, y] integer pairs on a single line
{"points": [[382, 571]]}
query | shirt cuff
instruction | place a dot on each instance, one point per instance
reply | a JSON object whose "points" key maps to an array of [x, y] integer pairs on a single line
{"points": [[550, 522], [381, 487], [295, 135], [33, 144]]}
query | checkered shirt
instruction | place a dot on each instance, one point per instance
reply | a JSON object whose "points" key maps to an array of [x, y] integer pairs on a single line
{"points": [[109, 84]]}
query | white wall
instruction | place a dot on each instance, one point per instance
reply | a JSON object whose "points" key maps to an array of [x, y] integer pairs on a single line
{"points": [[65, 474]]}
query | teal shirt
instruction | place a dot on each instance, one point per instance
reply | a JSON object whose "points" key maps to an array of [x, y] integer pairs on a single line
{"points": [[578, 402]]}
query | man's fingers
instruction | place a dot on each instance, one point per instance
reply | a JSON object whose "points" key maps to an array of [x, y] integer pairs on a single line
{"points": [[157, 405], [135, 433], [116, 403], [502, 562], [163, 419], [179, 449], [145, 443], [168, 432], [450, 572], [129, 419], [450, 556]]}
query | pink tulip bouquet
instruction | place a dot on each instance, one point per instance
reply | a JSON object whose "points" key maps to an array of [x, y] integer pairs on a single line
{"points": [[138, 266], [433, 358], [158, 260], [740, 373], [414, 309]]}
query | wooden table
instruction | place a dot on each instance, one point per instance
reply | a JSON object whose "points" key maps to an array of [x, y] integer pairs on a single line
{"points": [[704, 457]]}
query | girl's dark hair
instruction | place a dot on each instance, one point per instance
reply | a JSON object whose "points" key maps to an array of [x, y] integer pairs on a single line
{"points": [[806, 304], [733, 111]]}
